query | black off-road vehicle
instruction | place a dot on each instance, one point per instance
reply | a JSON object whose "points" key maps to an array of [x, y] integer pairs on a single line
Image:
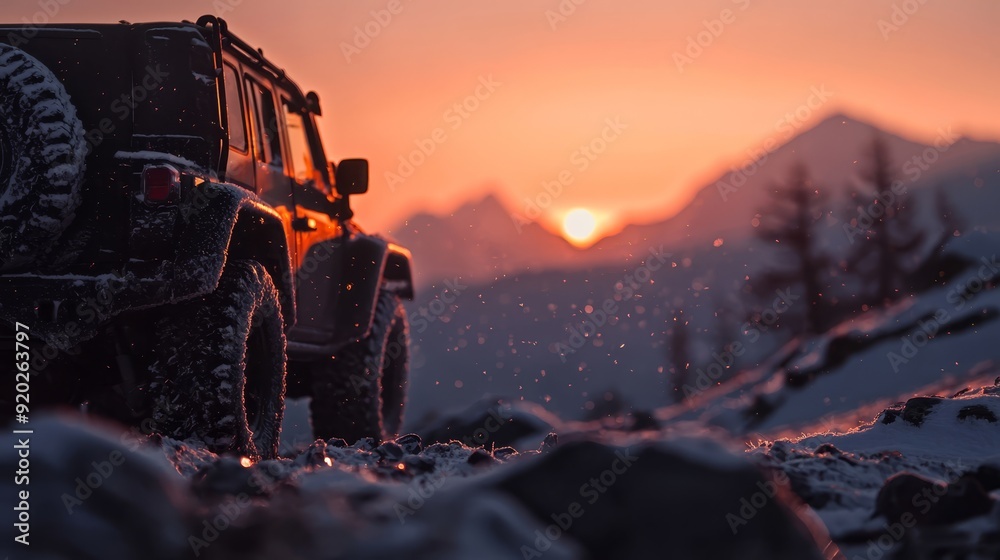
{"points": [[170, 231]]}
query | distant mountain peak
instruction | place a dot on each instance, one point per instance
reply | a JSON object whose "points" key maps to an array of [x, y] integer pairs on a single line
{"points": [[850, 119], [488, 203], [840, 123], [843, 117]]}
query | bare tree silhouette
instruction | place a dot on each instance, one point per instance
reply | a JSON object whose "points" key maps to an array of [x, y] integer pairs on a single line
{"points": [[887, 242], [680, 356], [789, 225]]}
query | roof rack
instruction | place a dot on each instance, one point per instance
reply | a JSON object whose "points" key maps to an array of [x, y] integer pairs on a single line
{"points": [[256, 55]]}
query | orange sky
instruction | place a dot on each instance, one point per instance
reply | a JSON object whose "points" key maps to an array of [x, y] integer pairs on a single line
{"points": [[608, 60]]}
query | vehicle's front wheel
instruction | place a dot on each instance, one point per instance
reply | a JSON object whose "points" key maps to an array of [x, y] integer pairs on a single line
{"points": [[360, 392], [219, 374]]}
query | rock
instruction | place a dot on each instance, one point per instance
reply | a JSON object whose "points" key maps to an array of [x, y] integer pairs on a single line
{"points": [[682, 500], [418, 464], [411, 443], [641, 421], [988, 476], [917, 408], [827, 449], [476, 525], [313, 456], [492, 423], [551, 440], [390, 451], [337, 442], [890, 414], [504, 453], [929, 502], [94, 495], [977, 412], [225, 477], [480, 458]]}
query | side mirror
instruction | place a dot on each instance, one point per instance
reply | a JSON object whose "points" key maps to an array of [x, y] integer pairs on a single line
{"points": [[351, 176], [312, 104]]}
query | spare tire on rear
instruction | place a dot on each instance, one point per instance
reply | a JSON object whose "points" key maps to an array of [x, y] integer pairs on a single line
{"points": [[42, 158]]}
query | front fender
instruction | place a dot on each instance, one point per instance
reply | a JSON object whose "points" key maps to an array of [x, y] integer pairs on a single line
{"points": [[371, 264], [399, 271]]}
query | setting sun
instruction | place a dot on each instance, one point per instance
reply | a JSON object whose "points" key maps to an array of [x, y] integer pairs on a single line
{"points": [[579, 225]]}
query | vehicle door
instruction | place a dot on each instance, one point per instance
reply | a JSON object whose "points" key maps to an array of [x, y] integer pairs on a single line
{"points": [[318, 232], [268, 148]]}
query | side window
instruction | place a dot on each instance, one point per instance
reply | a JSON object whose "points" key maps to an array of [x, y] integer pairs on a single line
{"points": [[266, 123], [234, 108], [298, 142], [258, 136]]}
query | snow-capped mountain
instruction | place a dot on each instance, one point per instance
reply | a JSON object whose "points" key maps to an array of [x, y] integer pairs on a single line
{"points": [[481, 241]]}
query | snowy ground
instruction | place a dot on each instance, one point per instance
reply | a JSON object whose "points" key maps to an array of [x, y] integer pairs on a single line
{"points": [[944, 455], [938, 341], [620, 489], [833, 449]]}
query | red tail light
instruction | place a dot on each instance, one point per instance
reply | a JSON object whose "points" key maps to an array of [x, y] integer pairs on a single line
{"points": [[161, 184]]}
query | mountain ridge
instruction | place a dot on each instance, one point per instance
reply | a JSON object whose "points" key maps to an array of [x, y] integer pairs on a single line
{"points": [[484, 233]]}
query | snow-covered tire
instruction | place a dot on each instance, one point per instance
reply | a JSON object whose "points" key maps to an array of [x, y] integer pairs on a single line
{"points": [[219, 375], [42, 158], [395, 373], [361, 391]]}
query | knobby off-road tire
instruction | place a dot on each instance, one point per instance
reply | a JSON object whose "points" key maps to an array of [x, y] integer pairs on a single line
{"points": [[361, 391], [219, 376], [42, 158]]}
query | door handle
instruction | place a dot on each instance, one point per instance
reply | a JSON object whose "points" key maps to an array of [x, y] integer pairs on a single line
{"points": [[304, 224]]}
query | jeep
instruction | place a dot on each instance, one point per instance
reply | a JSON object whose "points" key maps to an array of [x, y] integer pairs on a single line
{"points": [[176, 252]]}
